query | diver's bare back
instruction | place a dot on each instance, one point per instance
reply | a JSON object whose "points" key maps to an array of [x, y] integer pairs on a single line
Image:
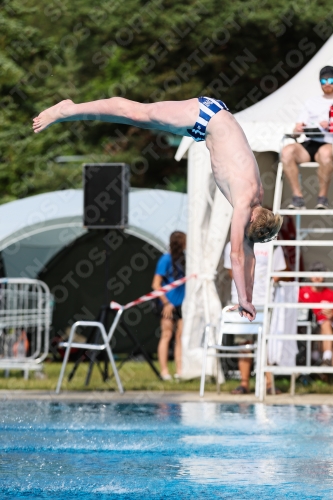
{"points": [[235, 168]]}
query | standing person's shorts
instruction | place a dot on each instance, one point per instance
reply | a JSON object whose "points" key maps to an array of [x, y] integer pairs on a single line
{"points": [[312, 147], [177, 313], [158, 309]]}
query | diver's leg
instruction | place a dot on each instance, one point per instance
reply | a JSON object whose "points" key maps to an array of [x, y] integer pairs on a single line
{"points": [[172, 116]]}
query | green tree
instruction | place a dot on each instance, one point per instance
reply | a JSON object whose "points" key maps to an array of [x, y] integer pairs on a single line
{"points": [[238, 51]]}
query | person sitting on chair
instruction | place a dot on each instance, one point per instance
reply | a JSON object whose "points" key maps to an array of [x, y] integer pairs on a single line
{"points": [[314, 122], [324, 317], [259, 296]]}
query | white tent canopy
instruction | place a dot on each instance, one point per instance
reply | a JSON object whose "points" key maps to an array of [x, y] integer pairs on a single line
{"points": [[209, 219], [264, 124]]}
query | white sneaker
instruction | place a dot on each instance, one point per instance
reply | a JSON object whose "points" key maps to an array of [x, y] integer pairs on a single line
{"points": [[177, 376], [166, 377]]}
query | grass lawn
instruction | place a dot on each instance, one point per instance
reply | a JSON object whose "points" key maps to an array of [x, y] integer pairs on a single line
{"points": [[135, 376]]}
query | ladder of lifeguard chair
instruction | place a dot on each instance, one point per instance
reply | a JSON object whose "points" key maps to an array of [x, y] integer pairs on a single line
{"points": [[269, 306]]}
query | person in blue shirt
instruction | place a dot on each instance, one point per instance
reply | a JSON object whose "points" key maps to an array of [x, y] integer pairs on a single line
{"points": [[171, 267]]}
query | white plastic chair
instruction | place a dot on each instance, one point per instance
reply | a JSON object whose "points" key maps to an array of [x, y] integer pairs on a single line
{"points": [[93, 347], [233, 324]]}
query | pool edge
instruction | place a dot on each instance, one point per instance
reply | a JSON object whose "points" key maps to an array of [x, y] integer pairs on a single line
{"points": [[144, 397]]}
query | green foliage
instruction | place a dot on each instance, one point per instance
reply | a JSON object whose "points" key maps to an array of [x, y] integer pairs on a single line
{"points": [[238, 51]]}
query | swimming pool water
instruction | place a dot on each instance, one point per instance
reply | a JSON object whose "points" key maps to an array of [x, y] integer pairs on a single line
{"points": [[165, 451]]}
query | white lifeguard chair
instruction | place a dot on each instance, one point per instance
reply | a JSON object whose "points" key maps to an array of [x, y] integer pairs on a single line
{"points": [[300, 241]]}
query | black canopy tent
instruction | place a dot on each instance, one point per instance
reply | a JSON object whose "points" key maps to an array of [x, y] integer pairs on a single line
{"points": [[76, 276], [43, 237]]}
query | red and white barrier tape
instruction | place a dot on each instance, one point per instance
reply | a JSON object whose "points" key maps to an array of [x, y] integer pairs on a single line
{"points": [[154, 294]]}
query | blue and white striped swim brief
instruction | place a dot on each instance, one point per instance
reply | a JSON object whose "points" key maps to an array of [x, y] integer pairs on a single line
{"points": [[208, 108]]}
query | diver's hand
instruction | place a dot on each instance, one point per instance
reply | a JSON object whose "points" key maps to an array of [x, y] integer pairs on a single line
{"points": [[246, 310]]}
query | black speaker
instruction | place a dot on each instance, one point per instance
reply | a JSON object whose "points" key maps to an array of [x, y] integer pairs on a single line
{"points": [[105, 188]]}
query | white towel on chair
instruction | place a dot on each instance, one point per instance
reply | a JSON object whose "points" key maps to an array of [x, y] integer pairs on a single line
{"points": [[284, 321]]}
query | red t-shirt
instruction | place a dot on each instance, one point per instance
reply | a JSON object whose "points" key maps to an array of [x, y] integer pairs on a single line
{"points": [[307, 294]]}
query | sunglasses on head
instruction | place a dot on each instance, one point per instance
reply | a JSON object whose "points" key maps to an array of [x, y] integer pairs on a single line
{"points": [[324, 81]]}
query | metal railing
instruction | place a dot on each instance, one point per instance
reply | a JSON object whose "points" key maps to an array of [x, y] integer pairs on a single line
{"points": [[299, 241], [25, 317]]}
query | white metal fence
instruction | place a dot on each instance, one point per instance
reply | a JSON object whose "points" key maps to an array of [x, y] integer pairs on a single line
{"points": [[25, 317]]}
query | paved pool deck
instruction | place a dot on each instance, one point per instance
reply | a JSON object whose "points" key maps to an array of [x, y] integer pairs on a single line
{"points": [[140, 397]]}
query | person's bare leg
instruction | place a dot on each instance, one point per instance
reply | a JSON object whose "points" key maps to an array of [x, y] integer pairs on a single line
{"points": [[169, 116], [326, 329], [268, 380], [178, 347], [163, 345], [325, 159], [291, 156], [244, 365]]}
